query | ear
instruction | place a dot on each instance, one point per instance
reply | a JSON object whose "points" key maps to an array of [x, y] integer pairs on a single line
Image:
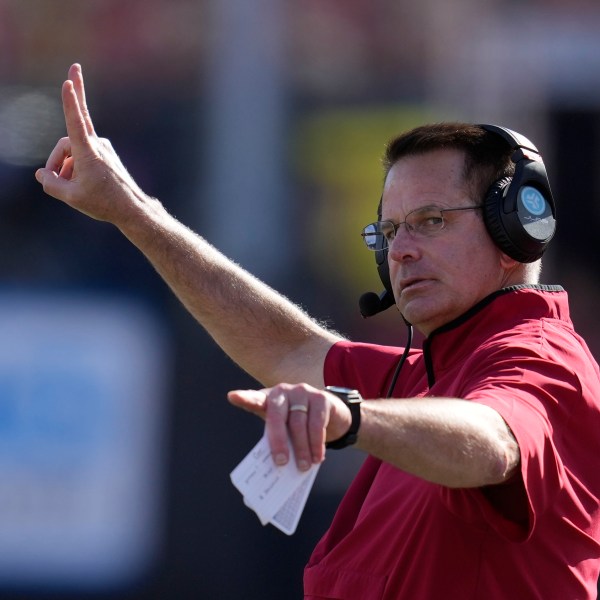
{"points": [[508, 263], [515, 272]]}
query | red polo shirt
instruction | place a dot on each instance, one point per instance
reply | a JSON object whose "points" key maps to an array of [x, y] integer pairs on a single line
{"points": [[396, 536]]}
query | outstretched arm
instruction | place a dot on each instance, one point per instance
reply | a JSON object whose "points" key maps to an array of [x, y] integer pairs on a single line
{"points": [[453, 442], [266, 334]]}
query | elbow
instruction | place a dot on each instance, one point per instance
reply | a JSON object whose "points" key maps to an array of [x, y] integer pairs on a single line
{"points": [[505, 453], [488, 464], [507, 458]]}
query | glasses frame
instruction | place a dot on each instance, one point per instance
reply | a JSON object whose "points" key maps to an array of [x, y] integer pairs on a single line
{"points": [[409, 229]]}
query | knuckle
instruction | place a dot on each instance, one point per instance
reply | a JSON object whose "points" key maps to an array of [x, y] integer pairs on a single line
{"points": [[275, 401], [279, 388], [106, 143], [296, 387]]}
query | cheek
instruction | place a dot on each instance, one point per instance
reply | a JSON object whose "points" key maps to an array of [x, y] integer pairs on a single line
{"points": [[471, 263], [478, 267]]}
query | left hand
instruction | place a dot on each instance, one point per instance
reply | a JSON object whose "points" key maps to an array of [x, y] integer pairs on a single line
{"points": [[309, 417]]}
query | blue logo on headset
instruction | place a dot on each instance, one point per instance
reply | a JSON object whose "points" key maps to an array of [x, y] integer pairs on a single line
{"points": [[532, 200]]}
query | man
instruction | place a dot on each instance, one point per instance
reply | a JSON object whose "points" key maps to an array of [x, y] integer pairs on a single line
{"points": [[482, 478]]}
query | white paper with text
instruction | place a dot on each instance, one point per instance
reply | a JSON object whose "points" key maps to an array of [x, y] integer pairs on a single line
{"points": [[277, 494]]}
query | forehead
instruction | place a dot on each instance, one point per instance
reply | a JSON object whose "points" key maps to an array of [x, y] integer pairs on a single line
{"points": [[435, 177]]}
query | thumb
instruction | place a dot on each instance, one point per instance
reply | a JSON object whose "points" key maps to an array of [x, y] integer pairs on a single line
{"points": [[53, 185], [253, 401], [49, 181], [40, 175]]}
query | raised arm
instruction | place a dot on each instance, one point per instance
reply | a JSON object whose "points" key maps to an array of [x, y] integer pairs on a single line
{"points": [[266, 334]]}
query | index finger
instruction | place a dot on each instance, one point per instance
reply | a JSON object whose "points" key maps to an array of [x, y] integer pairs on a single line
{"points": [[76, 76], [276, 425]]}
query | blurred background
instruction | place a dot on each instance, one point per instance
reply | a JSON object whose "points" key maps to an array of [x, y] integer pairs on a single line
{"points": [[260, 124]]}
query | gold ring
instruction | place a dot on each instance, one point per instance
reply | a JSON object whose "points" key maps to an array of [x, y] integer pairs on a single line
{"points": [[298, 407]]}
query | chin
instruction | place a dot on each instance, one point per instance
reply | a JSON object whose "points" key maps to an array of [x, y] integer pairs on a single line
{"points": [[424, 317]]}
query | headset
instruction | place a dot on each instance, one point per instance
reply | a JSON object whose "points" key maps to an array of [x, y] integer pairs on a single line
{"points": [[519, 213]]}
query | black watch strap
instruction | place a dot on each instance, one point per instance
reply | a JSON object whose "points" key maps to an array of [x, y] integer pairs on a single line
{"points": [[352, 400]]}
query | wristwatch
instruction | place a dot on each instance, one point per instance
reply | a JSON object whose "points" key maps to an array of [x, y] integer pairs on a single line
{"points": [[352, 399]]}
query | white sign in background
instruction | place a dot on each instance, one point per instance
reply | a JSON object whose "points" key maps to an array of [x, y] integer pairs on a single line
{"points": [[83, 381]]}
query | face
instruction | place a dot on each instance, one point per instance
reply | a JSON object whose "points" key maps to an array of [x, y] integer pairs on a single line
{"points": [[439, 277]]}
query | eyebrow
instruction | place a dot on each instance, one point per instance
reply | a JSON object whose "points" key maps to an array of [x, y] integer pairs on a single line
{"points": [[437, 206]]}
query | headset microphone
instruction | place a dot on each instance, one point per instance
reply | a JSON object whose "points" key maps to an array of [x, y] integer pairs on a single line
{"points": [[371, 304]]}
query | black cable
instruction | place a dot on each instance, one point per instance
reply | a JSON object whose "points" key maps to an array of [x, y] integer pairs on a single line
{"points": [[402, 360]]}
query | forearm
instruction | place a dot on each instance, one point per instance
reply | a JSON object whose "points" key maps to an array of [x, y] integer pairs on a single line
{"points": [[444, 440], [266, 334]]}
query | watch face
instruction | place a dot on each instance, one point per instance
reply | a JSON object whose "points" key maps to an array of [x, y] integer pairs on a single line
{"points": [[339, 390]]}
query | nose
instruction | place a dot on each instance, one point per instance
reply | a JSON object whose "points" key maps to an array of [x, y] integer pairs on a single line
{"points": [[404, 246]]}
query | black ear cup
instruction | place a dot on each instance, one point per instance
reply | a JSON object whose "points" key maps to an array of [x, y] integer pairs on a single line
{"points": [[497, 225], [519, 212], [492, 219], [520, 236]]}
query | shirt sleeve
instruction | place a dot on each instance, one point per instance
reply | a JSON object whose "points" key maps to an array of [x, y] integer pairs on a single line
{"points": [[369, 368], [532, 394]]}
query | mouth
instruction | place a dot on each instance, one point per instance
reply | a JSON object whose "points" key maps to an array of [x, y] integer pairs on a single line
{"points": [[411, 283]]}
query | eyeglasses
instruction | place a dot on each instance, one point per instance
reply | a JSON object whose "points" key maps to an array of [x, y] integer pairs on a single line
{"points": [[426, 222]]}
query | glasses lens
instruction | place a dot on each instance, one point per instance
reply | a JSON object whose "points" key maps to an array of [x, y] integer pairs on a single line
{"points": [[370, 234]]}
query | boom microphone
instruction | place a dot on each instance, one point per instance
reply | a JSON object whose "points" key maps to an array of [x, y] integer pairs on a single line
{"points": [[371, 304]]}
